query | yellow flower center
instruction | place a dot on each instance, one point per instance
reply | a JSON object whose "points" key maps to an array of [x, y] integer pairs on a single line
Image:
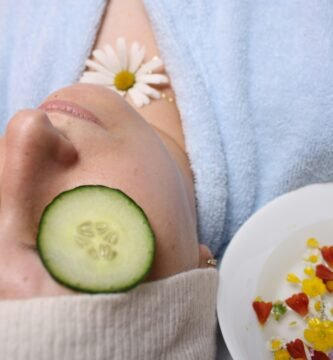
{"points": [[313, 258], [318, 306], [309, 271], [124, 80], [312, 243], [276, 344], [281, 355]]}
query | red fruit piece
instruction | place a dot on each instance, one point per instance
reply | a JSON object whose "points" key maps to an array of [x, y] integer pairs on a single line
{"points": [[262, 309], [324, 273], [327, 252], [299, 303], [319, 355], [296, 349]]}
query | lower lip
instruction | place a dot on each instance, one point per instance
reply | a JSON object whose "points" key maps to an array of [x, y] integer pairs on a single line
{"points": [[71, 109]]}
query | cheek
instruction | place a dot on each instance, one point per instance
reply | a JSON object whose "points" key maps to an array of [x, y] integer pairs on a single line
{"points": [[23, 275], [19, 273], [159, 189], [140, 166], [151, 178]]}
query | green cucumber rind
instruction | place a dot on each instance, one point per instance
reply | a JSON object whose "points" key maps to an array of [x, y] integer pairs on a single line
{"points": [[59, 279]]}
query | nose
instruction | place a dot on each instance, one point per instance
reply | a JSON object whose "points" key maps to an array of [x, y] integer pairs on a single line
{"points": [[34, 151]]}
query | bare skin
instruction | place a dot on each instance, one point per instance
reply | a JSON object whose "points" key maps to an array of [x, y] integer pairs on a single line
{"points": [[141, 152]]}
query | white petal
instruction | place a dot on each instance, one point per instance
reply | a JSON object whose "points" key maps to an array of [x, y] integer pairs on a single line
{"points": [[122, 92], [138, 97], [136, 57], [93, 77], [111, 54], [122, 52], [307, 353], [105, 60], [148, 90], [100, 68], [150, 66], [135, 96], [153, 79]]}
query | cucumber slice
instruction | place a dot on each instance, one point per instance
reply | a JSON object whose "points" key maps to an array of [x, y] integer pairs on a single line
{"points": [[96, 239]]}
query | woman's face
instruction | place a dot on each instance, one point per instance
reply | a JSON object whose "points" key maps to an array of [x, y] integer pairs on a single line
{"points": [[61, 146]]}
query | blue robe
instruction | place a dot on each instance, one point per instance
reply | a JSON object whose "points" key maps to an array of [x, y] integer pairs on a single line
{"points": [[253, 81]]}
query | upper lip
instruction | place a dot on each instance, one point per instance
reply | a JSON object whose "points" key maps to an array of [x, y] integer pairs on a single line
{"points": [[70, 108]]}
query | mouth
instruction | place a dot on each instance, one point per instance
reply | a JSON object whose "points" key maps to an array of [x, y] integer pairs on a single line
{"points": [[72, 109]]}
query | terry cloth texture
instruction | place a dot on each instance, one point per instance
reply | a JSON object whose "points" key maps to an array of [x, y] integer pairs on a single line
{"points": [[266, 70], [170, 319], [253, 82], [45, 48]]}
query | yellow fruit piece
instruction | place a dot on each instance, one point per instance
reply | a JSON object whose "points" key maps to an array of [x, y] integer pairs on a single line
{"points": [[292, 278], [329, 285]]}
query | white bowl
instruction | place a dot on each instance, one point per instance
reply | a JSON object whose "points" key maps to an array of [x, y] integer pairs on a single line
{"points": [[267, 247]]}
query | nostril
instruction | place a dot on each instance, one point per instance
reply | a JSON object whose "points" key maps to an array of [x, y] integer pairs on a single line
{"points": [[66, 152], [35, 152]]}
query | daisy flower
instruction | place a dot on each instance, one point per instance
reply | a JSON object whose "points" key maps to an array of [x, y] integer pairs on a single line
{"points": [[125, 72], [313, 256], [275, 343], [316, 306]]}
